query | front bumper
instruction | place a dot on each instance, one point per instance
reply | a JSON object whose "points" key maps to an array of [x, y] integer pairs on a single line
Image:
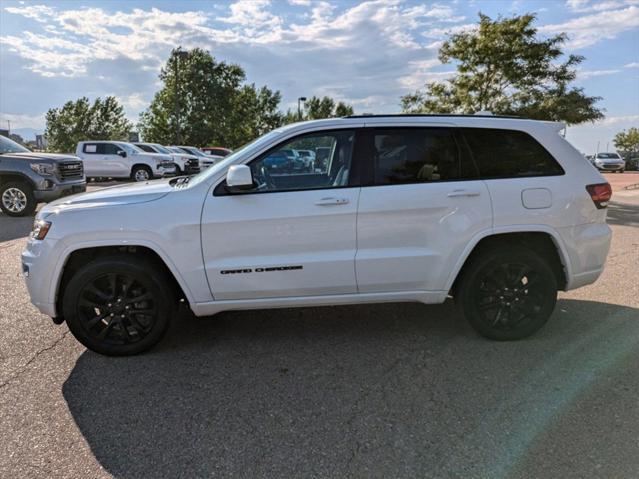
{"points": [[165, 170], [37, 271], [610, 166], [52, 190]]}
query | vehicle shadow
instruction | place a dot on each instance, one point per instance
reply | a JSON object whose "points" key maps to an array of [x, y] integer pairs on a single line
{"points": [[623, 214], [390, 390]]}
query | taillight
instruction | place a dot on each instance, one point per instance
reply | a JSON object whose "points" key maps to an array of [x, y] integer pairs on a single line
{"points": [[600, 194]]}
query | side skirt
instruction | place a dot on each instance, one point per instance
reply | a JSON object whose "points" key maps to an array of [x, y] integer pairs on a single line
{"points": [[426, 297]]}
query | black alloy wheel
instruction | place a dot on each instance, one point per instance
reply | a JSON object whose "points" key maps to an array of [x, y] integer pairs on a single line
{"points": [[118, 305], [508, 294]]}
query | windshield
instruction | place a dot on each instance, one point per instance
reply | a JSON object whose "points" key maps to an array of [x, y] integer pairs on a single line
{"points": [[247, 149], [10, 146], [611, 156], [193, 151], [160, 149]]}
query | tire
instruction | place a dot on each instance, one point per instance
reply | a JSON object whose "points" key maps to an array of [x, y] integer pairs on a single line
{"points": [[16, 199], [118, 305], [622, 171], [508, 294], [141, 173]]}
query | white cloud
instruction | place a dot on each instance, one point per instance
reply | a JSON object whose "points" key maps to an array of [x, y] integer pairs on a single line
{"points": [[590, 29], [22, 121], [585, 74], [631, 65], [40, 13], [586, 6]]}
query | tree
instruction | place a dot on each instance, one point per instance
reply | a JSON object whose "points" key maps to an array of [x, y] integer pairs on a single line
{"points": [[628, 142], [503, 67], [80, 120], [316, 108], [215, 106]]}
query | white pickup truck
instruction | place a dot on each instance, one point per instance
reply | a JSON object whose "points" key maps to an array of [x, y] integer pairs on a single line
{"points": [[118, 159]]}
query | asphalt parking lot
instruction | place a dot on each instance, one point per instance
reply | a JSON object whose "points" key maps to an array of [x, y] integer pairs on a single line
{"points": [[393, 390]]}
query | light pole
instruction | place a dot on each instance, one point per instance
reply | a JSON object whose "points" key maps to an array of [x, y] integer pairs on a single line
{"points": [[179, 54], [299, 109]]}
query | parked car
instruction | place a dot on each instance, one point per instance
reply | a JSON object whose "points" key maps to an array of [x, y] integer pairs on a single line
{"points": [[278, 162], [118, 159], [609, 162], [206, 161], [28, 178], [184, 163], [216, 151], [499, 213], [308, 156]]}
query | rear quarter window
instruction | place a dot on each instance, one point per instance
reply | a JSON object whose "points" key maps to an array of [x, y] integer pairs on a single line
{"points": [[509, 154]]}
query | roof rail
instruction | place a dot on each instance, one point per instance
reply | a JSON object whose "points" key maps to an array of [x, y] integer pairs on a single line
{"points": [[435, 115]]}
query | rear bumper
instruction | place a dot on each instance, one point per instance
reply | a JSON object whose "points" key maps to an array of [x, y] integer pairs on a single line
{"points": [[587, 247]]}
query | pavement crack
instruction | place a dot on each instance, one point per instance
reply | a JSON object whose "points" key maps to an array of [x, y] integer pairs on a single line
{"points": [[33, 358]]}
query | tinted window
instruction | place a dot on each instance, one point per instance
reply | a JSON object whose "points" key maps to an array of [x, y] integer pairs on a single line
{"points": [[509, 153], [415, 155], [100, 148], [146, 148]]}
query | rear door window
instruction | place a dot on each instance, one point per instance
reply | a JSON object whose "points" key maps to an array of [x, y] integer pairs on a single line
{"points": [[416, 155], [509, 154]]}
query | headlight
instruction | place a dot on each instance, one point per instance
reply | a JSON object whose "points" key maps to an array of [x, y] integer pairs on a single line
{"points": [[40, 229], [43, 168]]}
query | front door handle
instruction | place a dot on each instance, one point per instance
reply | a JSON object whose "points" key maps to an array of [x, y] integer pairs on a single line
{"points": [[331, 201], [456, 193]]}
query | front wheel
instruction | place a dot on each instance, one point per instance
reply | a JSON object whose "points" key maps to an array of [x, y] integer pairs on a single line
{"points": [[141, 173], [118, 305], [16, 199], [508, 295]]}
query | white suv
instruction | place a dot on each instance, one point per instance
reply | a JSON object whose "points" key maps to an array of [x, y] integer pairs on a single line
{"points": [[118, 159], [498, 213]]}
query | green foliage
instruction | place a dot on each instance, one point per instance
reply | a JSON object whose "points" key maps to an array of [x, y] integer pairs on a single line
{"points": [[80, 120], [627, 141], [316, 108], [504, 68], [215, 106]]}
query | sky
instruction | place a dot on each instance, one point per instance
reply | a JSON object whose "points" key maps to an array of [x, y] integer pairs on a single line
{"points": [[366, 53]]}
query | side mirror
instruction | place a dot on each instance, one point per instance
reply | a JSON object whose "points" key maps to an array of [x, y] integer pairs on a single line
{"points": [[121, 153], [239, 178]]}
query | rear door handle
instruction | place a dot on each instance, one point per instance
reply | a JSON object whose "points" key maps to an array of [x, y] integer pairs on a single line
{"points": [[455, 193], [331, 201]]}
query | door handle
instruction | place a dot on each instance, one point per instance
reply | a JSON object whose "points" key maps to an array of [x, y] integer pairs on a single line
{"points": [[456, 193], [331, 201]]}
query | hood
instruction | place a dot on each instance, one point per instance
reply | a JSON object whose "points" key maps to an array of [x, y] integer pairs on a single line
{"points": [[111, 196], [185, 155], [155, 156], [29, 155]]}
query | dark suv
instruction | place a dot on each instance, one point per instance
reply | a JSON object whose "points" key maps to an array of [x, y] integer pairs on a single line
{"points": [[28, 178]]}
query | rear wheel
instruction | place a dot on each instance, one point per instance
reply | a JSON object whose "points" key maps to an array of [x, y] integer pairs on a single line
{"points": [[118, 305], [16, 199], [141, 173], [508, 295]]}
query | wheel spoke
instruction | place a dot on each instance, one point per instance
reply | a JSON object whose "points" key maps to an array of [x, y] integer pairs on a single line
{"points": [[96, 292], [96, 320], [139, 298], [105, 332]]}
